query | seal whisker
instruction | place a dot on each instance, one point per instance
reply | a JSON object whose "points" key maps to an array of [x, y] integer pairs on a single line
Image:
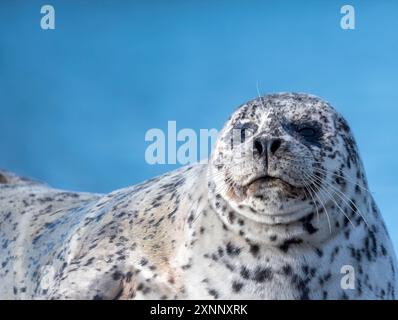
{"points": [[330, 172], [325, 171], [306, 186], [331, 197], [343, 197], [344, 178], [320, 200]]}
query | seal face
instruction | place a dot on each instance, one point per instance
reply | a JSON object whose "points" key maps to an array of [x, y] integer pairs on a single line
{"points": [[280, 154], [282, 211]]}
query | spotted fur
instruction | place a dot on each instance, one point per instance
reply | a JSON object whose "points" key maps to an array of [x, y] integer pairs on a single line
{"points": [[275, 216]]}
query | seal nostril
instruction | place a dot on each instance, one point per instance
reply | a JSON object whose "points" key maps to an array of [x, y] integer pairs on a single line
{"points": [[275, 144], [259, 146]]}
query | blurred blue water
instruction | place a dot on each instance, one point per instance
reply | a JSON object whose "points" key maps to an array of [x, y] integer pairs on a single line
{"points": [[75, 102]]}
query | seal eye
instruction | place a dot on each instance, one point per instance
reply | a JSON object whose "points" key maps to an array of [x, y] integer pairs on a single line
{"points": [[307, 132], [244, 130]]}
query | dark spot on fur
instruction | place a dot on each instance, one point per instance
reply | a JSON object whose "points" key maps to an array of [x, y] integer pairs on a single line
{"points": [[254, 248], [232, 250], [287, 243], [213, 293], [117, 275], [287, 270], [262, 274], [244, 273], [273, 238], [237, 286]]}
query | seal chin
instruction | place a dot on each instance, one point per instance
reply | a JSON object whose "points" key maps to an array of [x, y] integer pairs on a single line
{"points": [[272, 214]]}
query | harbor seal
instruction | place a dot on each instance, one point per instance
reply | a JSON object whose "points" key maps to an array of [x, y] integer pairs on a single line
{"points": [[281, 211]]}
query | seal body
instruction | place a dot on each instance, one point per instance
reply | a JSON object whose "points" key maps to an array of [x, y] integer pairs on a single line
{"points": [[281, 212]]}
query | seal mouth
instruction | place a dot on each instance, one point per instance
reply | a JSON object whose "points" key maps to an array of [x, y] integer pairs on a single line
{"points": [[257, 185], [268, 180]]}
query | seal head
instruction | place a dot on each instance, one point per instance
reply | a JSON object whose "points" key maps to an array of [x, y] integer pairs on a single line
{"points": [[278, 157]]}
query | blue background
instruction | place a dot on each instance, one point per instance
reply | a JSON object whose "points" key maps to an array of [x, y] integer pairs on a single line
{"points": [[76, 102]]}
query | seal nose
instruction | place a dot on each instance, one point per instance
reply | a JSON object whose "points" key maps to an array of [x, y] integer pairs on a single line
{"points": [[259, 146], [274, 145], [269, 146]]}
